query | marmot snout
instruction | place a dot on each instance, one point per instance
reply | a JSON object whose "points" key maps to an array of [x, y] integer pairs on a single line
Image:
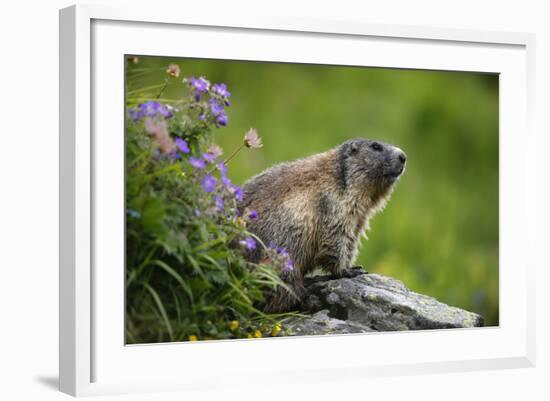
{"points": [[317, 207]]}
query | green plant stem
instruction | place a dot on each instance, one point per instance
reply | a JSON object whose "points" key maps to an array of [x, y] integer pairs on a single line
{"points": [[138, 90], [233, 154], [163, 87]]}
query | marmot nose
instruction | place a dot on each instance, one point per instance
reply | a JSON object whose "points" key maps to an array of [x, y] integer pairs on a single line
{"points": [[402, 157]]}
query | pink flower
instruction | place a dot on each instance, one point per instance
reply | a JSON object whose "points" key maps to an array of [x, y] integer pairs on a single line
{"points": [[212, 153], [215, 150], [252, 140], [159, 130], [173, 70]]}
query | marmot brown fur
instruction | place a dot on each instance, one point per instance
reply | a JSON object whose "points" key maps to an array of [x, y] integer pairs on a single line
{"points": [[317, 207]]}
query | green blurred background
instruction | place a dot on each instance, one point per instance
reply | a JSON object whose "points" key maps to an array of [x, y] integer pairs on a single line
{"points": [[439, 232]]}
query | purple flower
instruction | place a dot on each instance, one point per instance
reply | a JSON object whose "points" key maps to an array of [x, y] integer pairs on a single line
{"points": [[198, 212], [223, 172], [209, 157], [197, 163], [282, 257], [221, 89], [226, 181], [222, 119], [238, 192], [150, 108], [215, 107], [202, 117], [223, 168], [218, 112], [134, 115], [165, 110], [218, 201], [209, 183], [153, 109], [253, 215], [289, 266], [282, 251], [249, 243], [182, 145], [200, 86]]}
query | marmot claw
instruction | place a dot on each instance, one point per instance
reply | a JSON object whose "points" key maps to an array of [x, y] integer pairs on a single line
{"points": [[352, 272], [355, 271]]}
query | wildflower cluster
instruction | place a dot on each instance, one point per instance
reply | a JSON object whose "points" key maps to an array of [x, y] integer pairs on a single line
{"points": [[188, 270], [211, 172], [213, 108]]}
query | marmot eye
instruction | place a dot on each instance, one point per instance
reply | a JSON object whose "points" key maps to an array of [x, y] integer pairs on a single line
{"points": [[376, 147]]}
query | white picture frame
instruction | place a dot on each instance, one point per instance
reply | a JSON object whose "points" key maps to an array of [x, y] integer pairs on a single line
{"points": [[93, 357]]}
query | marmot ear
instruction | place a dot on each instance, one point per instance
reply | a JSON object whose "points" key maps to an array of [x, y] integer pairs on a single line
{"points": [[353, 148]]}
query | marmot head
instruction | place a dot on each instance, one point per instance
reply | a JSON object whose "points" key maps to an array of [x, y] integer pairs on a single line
{"points": [[370, 165]]}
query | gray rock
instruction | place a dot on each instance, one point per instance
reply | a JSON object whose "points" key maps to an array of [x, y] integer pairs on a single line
{"points": [[372, 302], [321, 323]]}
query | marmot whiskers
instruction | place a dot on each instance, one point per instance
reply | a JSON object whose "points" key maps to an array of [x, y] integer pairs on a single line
{"points": [[317, 207]]}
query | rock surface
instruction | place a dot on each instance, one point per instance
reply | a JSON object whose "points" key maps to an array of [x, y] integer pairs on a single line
{"points": [[372, 302]]}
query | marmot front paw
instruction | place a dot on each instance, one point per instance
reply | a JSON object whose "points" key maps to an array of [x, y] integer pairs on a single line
{"points": [[352, 272]]}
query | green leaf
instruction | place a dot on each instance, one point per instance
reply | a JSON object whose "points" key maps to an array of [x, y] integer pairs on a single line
{"points": [[218, 276], [175, 275]]}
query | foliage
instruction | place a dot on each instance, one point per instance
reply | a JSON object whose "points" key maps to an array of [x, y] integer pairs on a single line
{"points": [[187, 277]]}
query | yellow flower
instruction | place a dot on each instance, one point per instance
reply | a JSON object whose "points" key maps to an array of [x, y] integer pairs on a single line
{"points": [[193, 337], [234, 325], [249, 335], [276, 330], [258, 334]]}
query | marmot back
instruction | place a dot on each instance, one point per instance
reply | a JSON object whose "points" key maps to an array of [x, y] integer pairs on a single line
{"points": [[317, 207]]}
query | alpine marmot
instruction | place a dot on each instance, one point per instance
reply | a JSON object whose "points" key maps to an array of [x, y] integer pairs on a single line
{"points": [[316, 208]]}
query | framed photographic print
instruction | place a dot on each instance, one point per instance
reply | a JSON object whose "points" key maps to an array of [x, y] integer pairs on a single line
{"points": [[339, 199]]}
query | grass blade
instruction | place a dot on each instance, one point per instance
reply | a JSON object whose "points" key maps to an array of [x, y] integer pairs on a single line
{"points": [[162, 311]]}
